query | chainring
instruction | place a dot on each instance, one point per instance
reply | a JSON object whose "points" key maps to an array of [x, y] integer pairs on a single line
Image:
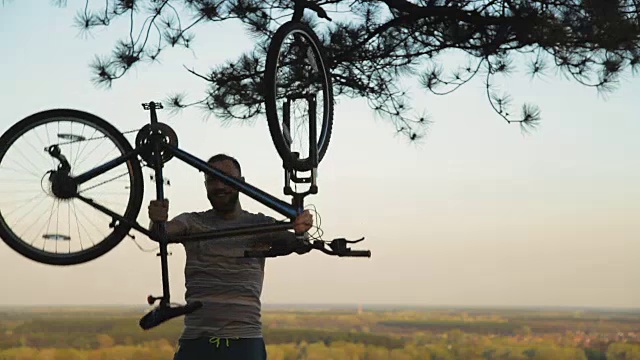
{"points": [[163, 131]]}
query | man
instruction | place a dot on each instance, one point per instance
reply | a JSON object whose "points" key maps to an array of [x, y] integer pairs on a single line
{"points": [[228, 326]]}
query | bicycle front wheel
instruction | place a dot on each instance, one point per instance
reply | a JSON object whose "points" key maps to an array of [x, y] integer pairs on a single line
{"points": [[40, 214], [296, 75]]}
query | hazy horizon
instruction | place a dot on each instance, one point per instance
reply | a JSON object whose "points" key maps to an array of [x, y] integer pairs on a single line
{"points": [[343, 306], [477, 214]]}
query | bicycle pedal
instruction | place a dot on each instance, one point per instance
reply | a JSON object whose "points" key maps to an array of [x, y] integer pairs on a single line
{"points": [[156, 105], [152, 299]]}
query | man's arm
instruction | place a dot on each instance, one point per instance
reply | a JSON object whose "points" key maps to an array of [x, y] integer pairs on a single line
{"points": [[159, 211], [173, 227]]}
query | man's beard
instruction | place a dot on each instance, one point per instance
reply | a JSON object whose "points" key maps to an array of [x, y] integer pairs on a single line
{"points": [[226, 204]]}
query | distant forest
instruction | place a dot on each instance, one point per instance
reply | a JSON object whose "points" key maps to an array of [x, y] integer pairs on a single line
{"points": [[105, 334]]}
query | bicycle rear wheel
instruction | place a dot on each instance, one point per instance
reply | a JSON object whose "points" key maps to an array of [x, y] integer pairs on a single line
{"points": [[296, 73], [41, 218]]}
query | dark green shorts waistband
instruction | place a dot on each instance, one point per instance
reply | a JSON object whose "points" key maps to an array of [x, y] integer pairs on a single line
{"points": [[213, 348]]}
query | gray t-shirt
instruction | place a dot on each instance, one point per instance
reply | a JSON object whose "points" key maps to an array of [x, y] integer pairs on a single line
{"points": [[228, 287]]}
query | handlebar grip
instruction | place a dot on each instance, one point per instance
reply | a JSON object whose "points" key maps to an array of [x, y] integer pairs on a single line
{"points": [[360, 253]]}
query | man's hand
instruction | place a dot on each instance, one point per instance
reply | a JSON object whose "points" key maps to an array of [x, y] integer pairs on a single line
{"points": [[284, 243], [303, 222], [158, 210]]}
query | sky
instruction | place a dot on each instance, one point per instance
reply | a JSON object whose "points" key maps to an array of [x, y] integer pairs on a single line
{"points": [[477, 214]]}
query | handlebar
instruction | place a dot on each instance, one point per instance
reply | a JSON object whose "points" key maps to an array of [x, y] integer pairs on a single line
{"points": [[337, 247]]}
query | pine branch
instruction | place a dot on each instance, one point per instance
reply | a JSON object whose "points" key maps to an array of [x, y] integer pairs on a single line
{"points": [[377, 44]]}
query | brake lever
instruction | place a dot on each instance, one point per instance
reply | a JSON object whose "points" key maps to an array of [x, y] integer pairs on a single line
{"points": [[339, 248], [349, 241], [340, 244]]}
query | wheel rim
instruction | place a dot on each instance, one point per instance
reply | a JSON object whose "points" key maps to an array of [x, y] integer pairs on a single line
{"points": [[30, 211], [300, 71]]}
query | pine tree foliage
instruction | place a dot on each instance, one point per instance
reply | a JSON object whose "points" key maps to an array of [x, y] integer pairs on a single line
{"points": [[373, 44]]}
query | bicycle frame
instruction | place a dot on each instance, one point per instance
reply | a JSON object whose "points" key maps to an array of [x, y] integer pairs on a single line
{"points": [[155, 145], [291, 211], [257, 194]]}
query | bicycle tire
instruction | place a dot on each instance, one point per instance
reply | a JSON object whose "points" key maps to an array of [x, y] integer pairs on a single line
{"points": [[271, 67], [134, 203]]}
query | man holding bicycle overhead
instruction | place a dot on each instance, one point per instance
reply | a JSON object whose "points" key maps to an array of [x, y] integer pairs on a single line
{"points": [[228, 326]]}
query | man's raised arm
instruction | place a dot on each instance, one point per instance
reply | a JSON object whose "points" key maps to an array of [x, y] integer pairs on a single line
{"points": [[159, 211]]}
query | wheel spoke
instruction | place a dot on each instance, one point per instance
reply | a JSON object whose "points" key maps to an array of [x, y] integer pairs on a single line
{"points": [[60, 232], [295, 70]]}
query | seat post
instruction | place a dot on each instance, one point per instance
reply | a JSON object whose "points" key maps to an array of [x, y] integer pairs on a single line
{"points": [[154, 116], [152, 106]]}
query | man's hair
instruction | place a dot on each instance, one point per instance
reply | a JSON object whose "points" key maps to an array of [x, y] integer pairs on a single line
{"points": [[223, 157]]}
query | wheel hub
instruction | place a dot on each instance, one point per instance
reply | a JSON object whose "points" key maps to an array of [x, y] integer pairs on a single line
{"points": [[62, 185]]}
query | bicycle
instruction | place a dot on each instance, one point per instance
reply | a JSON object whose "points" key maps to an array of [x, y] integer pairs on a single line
{"points": [[65, 180]]}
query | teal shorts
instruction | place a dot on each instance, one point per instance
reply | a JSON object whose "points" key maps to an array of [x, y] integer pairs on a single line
{"points": [[211, 348]]}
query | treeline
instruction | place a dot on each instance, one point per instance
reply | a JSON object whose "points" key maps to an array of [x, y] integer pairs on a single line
{"points": [[513, 327], [498, 322], [479, 327], [162, 350], [286, 336], [81, 333], [95, 333], [444, 335]]}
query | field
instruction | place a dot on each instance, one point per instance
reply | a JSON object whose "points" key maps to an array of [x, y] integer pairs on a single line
{"points": [[347, 332]]}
